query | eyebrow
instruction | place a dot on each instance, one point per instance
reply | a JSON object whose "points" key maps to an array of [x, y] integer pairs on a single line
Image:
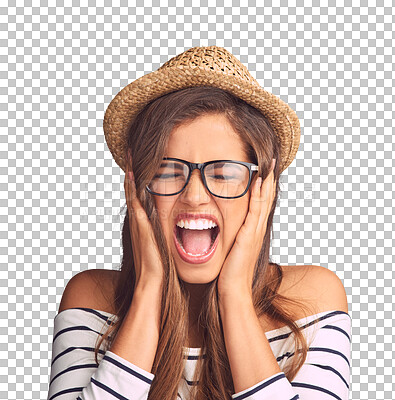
{"points": [[175, 165], [178, 166]]}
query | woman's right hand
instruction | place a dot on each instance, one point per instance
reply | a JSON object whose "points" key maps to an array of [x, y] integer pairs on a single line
{"points": [[147, 261]]}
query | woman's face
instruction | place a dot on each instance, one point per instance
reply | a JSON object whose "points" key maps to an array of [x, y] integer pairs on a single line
{"points": [[207, 138]]}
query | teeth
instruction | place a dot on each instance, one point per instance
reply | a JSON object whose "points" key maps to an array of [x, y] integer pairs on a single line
{"points": [[192, 254], [192, 225], [198, 224]]}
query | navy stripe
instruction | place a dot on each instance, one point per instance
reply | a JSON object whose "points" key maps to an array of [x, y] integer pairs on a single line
{"points": [[107, 389], [75, 348], [194, 357], [71, 390], [76, 328], [260, 387], [280, 337], [307, 386], [333, 370], [191, 383], [91, 311], [127, 369], [289, 354], [336, 328], [74, 367], [324, 349], [323, 317], [94, 312], [295, 397]]}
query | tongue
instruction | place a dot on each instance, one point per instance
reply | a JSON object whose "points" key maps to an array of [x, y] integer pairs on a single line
{"points": [[196, 241]]}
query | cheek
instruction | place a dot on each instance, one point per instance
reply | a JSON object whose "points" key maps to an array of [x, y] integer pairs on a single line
{"points": [[164, 210], [234, 216]]}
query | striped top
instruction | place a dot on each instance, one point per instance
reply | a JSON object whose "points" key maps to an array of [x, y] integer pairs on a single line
{"points": [[74, 375]]}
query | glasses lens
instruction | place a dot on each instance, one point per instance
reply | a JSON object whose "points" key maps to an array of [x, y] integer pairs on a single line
{"points": [[170, 178], [227, 179]]}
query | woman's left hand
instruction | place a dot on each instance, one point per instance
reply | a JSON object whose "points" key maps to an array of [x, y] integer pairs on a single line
{"points": [[238, 269]]}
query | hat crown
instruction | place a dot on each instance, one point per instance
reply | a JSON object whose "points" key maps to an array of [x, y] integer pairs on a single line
{"points": [[211, 58], [199, 66]]}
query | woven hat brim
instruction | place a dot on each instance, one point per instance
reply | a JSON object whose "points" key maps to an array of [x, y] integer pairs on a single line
{"points": [[126, 105]]}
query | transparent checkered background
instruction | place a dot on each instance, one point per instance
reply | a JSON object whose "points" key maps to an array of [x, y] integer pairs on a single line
{"points": [[62, 193]]}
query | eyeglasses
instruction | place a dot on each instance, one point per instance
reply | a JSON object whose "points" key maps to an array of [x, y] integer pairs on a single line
{"points": [[226, 179]]}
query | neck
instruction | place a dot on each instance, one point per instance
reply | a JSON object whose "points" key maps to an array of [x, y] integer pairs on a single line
{"points": [[196, 294]]}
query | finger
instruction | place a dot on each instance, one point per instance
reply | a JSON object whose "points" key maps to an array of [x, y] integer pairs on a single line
{"points": [[274, 188], [262, 206], [274, 180], [136, 209], [252, 218], [129, 189], [260, 202], [127, 186], [262, 191], [268, 191], [256, 190], [126, 180], [132, 185], [269, 184], [271, 195]]}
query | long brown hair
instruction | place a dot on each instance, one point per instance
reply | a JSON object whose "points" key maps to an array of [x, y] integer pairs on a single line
{"points": [[147, 143]]}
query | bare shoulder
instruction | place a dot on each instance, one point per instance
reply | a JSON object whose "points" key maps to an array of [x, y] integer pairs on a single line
{"points": [[314, 285], [93, 288]]}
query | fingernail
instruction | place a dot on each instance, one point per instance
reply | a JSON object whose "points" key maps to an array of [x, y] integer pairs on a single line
{"points": [[273, 163], [131, 175]]}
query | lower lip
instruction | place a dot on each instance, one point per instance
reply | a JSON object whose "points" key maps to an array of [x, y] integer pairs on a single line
{"points": [[195, 259]]}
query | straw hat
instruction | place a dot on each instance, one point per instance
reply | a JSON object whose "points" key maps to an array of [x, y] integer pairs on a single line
{"points": [[199, 66]]}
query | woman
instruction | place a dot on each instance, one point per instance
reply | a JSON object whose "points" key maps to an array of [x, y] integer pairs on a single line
{"points": [[197, 311]]}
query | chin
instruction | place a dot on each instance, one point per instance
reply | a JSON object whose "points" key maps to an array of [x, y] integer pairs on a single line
{"points": [[195, 275]]}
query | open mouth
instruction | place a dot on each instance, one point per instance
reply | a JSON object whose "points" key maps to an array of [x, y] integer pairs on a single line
{"points": [[195, 246], [213, 232]]}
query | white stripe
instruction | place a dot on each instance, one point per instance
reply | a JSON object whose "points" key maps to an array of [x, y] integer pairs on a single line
{"points": [[123, 382]]}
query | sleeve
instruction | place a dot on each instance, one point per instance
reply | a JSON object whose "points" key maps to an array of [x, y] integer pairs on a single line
{"points": [[74, 373], [324, 375]]}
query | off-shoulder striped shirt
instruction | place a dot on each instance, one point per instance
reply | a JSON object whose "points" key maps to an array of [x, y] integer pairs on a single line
{"points": [[325, 375]]}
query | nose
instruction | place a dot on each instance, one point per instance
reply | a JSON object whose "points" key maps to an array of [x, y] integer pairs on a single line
{"points": [[195, 192]]}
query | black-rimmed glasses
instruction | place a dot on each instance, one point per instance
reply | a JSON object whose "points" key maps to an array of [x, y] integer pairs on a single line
{"points": [[226, 179]]}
